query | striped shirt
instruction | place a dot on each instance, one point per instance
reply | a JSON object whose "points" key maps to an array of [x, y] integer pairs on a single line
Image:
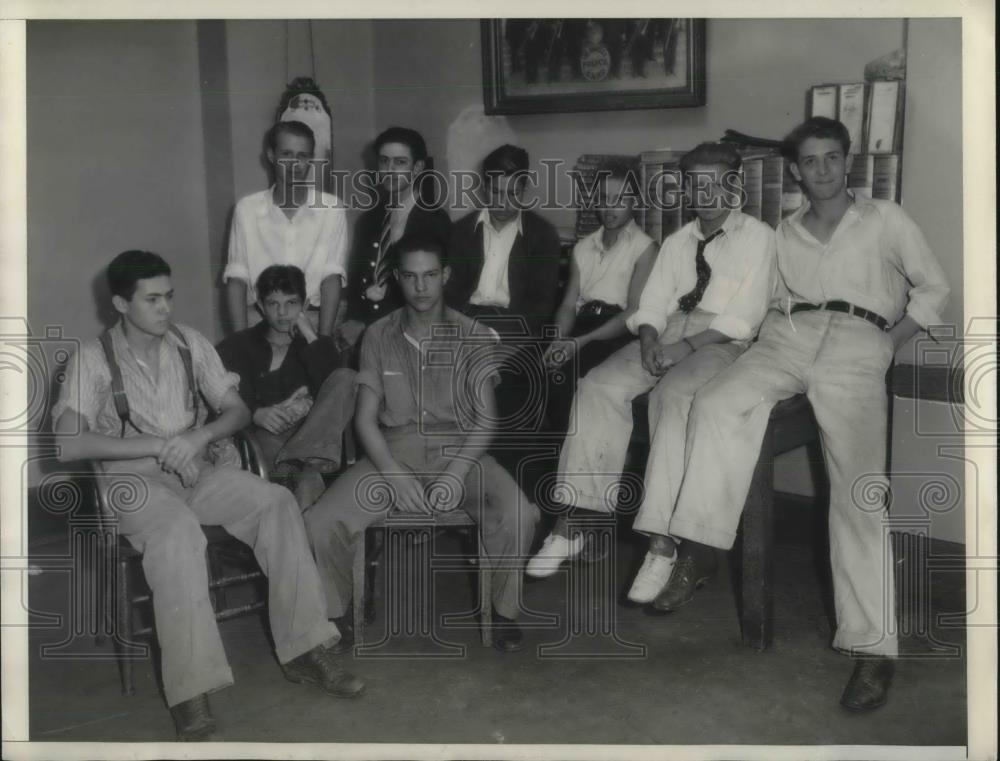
{"points": [[160, 407]]}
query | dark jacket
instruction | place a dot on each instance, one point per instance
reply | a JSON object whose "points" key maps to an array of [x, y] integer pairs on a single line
{"points": [[364, 255], [248, 354], [532, 270]]}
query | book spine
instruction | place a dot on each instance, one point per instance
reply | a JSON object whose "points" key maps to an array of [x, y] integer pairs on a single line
{"points": [[753, 186]]}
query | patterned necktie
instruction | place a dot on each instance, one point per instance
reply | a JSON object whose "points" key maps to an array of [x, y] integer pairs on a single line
{"points": [[382, 263], [690, 300]]}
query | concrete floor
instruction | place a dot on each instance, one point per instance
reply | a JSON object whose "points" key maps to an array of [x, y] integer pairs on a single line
{"points": [[693, 682]]}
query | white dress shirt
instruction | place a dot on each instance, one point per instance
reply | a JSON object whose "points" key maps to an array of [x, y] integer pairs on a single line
{"points": [[877, 259], [314, 240], [606, 273], [739, 291], [493, 288]]}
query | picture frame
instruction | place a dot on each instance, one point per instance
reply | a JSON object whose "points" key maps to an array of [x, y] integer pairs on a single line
{"points": [[533, 66]]}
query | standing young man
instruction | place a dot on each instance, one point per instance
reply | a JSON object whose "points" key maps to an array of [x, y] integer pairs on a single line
{"points": [[505, 268], [856, 280], [702, 304], [425, 426], [300, 398], [372, 292], [163, 440], [292, 222]]}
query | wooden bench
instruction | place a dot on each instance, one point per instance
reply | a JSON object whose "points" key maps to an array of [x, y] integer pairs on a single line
{"points": [[792, 425]]}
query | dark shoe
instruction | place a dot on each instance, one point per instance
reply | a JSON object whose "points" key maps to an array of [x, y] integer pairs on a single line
{"points": [[318, 667], [345, 624], [193, 719], [507, 635], [868, 686], [685, 579]]}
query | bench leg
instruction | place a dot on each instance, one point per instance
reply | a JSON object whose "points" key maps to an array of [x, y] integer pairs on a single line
{"points": [[360, 588], [485, 592], [758, 557], [123, 637]]}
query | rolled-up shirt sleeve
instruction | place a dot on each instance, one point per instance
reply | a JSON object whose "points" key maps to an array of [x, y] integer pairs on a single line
{"points": [[370, 363], [929, 288], [84, 385], [335, 241], [238, 263], [742, 317], [659, 297], [214, 381]]}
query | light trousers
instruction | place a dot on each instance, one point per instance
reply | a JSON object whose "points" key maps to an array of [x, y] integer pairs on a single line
{"points": [[164, 524], [592, 457], [338, 520], [839, 362]]}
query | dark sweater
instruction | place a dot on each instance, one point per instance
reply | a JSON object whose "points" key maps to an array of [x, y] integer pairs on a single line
{"points": [[532, 270], [248, 354]]}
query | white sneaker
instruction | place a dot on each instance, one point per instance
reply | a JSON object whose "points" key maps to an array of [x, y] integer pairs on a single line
{"points": [[652, 577], [555, 550]]}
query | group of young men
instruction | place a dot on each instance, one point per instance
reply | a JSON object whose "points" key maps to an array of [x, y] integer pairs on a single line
{"points": [[428, 360]]}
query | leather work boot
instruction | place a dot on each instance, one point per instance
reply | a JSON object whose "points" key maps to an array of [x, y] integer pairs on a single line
{"points": [[318, 667], [868, 686], [688, 576]]}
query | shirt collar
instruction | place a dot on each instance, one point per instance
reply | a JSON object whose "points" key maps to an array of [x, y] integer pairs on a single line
{"points": [[625, 235], [269, 204], [860, 204], [484, 219]]}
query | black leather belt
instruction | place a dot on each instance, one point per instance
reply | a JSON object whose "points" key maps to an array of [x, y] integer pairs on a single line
{"points": [[598, 309], [847, 308]]}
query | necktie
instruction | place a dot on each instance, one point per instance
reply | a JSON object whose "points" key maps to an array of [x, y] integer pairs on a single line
{"points": [[689, 301], [382, 263]]}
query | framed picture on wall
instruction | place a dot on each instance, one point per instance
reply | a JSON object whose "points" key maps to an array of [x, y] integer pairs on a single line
{"points": [[576, 64]]}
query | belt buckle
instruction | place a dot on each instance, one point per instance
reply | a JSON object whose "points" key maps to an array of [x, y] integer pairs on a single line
{"points": [[850, 310]]}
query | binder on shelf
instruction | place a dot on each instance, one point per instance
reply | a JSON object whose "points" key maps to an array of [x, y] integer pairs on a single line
{"points": [[772, 190], [885, 177], [851, 113], [884, 130], [862, 175], [823, 101], [753, 185]]}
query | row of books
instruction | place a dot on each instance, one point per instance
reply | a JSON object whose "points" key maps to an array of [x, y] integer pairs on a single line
{"points": [[770, 190]]}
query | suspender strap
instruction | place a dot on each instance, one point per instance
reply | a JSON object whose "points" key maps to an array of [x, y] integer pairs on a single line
{"points": [[117, 387], [185, 352]]}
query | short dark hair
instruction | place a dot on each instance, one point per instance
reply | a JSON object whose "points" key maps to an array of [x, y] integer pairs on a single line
{"points": [[405, 136], [302, 86], [283, 278], [507, 159], [816, 126], [711, 154], [129, 267], [413, 242], [289, 128]]}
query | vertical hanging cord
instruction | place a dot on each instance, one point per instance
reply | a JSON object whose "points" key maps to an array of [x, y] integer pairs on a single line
{"points": [[312, 52], [287, 74]]}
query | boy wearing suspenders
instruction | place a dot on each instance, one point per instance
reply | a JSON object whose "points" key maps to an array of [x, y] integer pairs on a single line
{"points": [[137, 401]]}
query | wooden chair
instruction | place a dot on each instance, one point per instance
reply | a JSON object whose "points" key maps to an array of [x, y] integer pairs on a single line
{"points": [[126, 586], [424, 526]]}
